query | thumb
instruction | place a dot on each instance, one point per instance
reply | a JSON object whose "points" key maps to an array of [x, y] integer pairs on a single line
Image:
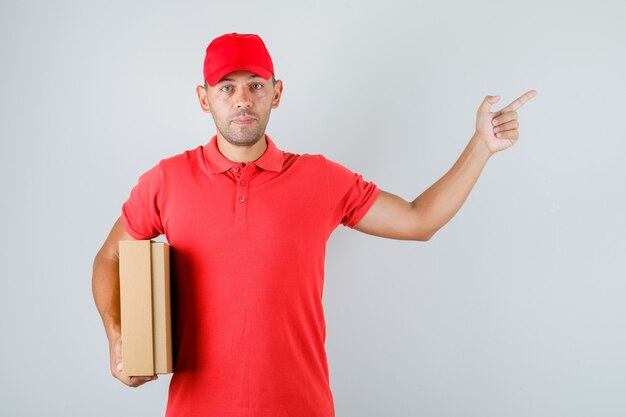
{"points": [[485, 106]]}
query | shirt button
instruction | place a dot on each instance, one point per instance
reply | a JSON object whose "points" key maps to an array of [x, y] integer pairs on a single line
{"points": [[235, 169], [243, 199], [242, 183]]}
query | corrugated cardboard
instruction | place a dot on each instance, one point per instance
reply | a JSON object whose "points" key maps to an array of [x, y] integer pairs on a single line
{"points": [[145, 307], [161, 308]]}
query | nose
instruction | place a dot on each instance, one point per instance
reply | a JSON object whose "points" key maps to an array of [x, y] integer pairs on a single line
{"points": [[242, 99]]}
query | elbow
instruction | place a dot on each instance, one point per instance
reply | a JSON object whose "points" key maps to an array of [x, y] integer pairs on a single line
{"points": [[424, 226], [423, 231], [423, 237]]}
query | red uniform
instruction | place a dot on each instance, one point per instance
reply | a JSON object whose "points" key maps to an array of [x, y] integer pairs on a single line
{"points": [[248, 247]]}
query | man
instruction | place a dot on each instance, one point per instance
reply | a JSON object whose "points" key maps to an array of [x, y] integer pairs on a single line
{"points": [[248, 225]]}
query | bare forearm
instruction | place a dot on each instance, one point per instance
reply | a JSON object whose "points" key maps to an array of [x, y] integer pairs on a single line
{"points": [[106, 294], [439, 203]]}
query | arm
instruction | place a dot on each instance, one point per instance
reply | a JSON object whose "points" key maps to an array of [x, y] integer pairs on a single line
{"points": [[392, 217], [106, 294]]}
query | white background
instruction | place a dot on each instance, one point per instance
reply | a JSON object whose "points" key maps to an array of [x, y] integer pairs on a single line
{"points": [[515, 308]]}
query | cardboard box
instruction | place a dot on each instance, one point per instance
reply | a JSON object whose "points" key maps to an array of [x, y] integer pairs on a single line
{"points": [[145, 307]]}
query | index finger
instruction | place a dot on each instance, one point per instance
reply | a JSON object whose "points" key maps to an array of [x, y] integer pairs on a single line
{"points": [[519, 102]]}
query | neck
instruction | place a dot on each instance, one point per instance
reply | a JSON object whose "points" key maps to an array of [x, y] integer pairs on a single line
{"points": [[241, 153]]}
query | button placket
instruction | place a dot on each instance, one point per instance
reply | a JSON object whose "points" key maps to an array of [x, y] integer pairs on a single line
{"points": [[241, 200]]}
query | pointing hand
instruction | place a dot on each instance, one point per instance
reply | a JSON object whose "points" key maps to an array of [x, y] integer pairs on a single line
{"points": [[498, 130]]}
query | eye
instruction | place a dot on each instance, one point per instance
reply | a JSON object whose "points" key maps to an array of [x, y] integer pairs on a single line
{"points": [[226, 88], [257, 86]]}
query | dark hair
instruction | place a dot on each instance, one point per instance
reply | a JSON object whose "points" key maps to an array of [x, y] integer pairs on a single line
{"points": [[273, 82]]}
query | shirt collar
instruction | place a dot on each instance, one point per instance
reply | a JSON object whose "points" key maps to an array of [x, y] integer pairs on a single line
{"points": [[271, 160]]}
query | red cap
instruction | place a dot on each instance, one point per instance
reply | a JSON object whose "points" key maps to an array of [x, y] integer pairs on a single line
{"points": [[233, 52]]}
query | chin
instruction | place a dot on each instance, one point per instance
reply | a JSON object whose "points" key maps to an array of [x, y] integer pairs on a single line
{"points": [[237, 140]]}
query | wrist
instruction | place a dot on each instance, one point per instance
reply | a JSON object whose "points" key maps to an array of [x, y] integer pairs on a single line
{"points": [[480, 146], [113, 328]]}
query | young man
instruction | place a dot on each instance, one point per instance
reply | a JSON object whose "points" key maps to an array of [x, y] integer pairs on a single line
{"points": [[248, 225]]}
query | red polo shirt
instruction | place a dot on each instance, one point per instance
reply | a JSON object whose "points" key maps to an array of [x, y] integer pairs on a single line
{"points": [[248, 244]]}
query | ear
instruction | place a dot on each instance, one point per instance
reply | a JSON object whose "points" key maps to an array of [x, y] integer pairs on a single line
{"points": [[202, 98], [278, 90]]}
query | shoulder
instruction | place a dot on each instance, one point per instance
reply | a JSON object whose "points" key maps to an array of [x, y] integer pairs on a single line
{"points": [[319, 163], [184, 157], [302, 161], [190, 160]]}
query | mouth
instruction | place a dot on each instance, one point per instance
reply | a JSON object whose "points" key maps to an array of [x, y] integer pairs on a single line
{"points": [[243, 120]]}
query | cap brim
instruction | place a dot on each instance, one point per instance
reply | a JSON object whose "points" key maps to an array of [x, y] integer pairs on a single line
{"points": [[220, 73]]}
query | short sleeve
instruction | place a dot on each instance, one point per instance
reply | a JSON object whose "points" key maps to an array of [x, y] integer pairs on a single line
{"points": [[350, 195], [141, 215]]}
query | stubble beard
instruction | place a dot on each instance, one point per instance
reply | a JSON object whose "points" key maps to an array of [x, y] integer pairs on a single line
{"points": [[247, 136], [243, 135]]}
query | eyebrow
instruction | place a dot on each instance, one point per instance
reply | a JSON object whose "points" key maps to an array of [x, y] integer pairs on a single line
{"points": [[230, 79]]}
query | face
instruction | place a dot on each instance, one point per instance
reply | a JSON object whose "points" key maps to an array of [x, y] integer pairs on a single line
{"points": [[240, 104]]}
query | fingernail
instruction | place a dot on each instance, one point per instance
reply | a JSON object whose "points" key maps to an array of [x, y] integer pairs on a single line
{"points": [[119, 367]]}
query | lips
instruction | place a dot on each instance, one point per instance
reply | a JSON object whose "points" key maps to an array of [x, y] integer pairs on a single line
{"points": [[243, 120]]}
